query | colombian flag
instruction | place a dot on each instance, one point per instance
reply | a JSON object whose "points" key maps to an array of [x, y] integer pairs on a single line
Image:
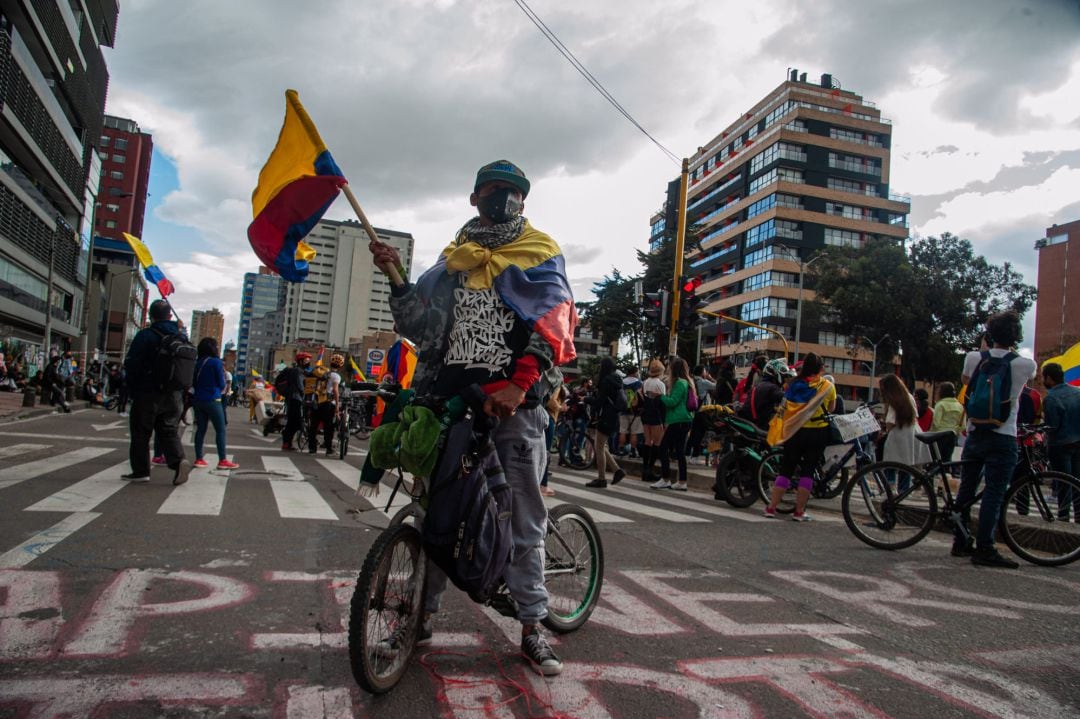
{"points": [[358, 376], [296, 186], [152, 272], [1070, 363]]}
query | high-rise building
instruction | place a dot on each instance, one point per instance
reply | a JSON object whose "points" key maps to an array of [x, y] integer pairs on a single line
{"points": [[345, 295], [805, 168], [1057, 321], [53, 99], [118, 294], [207, 323], [262, 319]]}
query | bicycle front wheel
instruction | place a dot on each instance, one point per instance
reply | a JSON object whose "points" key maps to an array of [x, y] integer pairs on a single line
{"points": [[573, 567], [1035, 518], [766, 477], [385, 612], [889, 505]]}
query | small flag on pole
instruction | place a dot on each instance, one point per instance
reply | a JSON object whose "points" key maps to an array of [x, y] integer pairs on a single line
{"points": [[358, 376], [296, 186], [152, 272]]}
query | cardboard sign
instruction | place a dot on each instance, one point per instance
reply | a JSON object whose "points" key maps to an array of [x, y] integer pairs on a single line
{"points": [[857, 424]]}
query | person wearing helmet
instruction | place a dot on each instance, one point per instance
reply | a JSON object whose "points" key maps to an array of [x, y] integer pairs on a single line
{"points": [[290, 385], [765, 396]]}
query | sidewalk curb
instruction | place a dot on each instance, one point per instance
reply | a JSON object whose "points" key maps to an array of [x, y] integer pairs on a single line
{"points": [[39, 411]]}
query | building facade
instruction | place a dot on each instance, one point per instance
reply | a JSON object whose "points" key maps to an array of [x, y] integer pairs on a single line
{"points": [[1057, 321], [345, 295], [262, 321], [207, 323], [52, 99], [805, 168]]}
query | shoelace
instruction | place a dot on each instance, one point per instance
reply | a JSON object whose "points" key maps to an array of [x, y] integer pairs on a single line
{"points": [[537, 647]]}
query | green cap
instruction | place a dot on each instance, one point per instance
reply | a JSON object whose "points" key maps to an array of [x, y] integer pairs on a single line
{"points": [[507, 172]]}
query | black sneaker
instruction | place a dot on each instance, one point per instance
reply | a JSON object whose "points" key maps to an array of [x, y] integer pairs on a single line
{"points": [[597, 483], [182, 472], [618, 476], [962, 549], [535, 647], [329, 451], [992, 558]]}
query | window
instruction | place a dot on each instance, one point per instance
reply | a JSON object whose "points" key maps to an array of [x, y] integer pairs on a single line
{"points": [[116, 174], [843, 238], [760, 206], [119, 158], [839, 133], [854, 163], [796, 125], [110, 224], [757, 235], [834, 339], [104, 141], [772, 278], [121, 143], [759, 256], [112, 208], [849, 211]]}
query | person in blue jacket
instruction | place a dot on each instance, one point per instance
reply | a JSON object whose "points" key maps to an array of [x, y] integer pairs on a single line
{"points": [[208, 388]]}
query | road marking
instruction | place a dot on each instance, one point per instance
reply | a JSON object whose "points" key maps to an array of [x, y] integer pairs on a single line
{"points": [[596, 514], [45, 540], [111, 425], [614, 503], [85, 495], [282, 468], [663, 496], [299, 500], [21, 472], [348, 474], [203, 494], [16, 449]]}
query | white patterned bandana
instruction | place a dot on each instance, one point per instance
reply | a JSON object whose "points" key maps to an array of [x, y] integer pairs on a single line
{"points": [[491, 236]]}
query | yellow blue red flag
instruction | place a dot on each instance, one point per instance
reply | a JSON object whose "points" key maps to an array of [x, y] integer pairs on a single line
{"points": [[1070, 363], [296, 186], [358, 376], [153, 272]]}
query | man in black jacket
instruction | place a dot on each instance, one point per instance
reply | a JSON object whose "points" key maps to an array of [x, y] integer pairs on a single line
{"points": [[290, 385], [153, 409], [53, 384]]}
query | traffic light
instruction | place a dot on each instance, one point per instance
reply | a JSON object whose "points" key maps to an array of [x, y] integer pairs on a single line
{"points": [[657, 308], [689, 303]]}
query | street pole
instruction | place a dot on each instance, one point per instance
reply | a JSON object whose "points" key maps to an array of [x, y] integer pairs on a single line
{"points": [[49, 300], [798, 311], [873, 363], [680, 243]]}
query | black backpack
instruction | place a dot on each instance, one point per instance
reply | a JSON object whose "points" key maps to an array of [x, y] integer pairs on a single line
{"points": [[174, 364], [282, 384], [467, 530]]}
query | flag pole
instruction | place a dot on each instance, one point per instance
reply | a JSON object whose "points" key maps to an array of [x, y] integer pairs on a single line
{"points": [[389, 270]]}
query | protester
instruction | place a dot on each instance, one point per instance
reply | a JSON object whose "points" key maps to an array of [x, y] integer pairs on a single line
{"points": [[725, 382], [652, 419], [991, 452], [1061, 409], [924, 413], [677, 419], [806, 401], [54, 384], [609, 390], [901, 424], [289, 384], [553, 405], [630, 419], [766, 395], [948, 415], [482, 315], [154, 409], [209, 387]]}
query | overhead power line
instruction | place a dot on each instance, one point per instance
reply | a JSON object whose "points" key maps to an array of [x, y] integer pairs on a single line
{"points": [[589, 77]]}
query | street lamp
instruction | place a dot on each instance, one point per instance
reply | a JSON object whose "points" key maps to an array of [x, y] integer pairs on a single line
{"points": [[794, 254], [873, 363]]}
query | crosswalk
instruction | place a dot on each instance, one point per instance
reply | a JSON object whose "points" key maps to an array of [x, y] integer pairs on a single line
{"points": [[301, 488]]}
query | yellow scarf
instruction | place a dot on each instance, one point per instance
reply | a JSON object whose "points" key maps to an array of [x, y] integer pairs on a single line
{"points": [[482, 265]]}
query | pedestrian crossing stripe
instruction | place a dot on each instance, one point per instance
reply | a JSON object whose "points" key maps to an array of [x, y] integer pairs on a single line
{"points": [[203, 494], [10, 476]]}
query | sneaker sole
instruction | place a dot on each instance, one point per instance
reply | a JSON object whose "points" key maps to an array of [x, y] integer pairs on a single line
{"points": [[549, 671], [182, 473]]}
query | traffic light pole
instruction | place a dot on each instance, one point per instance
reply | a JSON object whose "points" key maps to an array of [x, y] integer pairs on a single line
{"points": [[680, 244], [736, 320]]}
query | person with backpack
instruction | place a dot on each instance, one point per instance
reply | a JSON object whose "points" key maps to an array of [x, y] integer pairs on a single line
{"points": [[948, 415], [766, 395], [746, 384], [994, 379], [160, 365], [630, 419], [289, 384], [322, 411], [679, 404], [496, 310], [652, 419], [609, 402]]}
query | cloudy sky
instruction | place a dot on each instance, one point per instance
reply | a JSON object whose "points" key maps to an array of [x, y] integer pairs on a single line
{"points": [[412, 96]]}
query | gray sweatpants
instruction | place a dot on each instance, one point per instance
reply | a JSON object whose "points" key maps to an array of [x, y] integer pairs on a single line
{"points": [[519, 442]]}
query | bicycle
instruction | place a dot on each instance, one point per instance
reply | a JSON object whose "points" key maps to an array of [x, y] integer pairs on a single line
{"points": [[829, 481], [574, 445], [343, 432], [390, 587], [891, 505]]}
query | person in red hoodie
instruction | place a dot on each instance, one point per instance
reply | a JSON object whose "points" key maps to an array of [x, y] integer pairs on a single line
{"points": [[924, 413]]}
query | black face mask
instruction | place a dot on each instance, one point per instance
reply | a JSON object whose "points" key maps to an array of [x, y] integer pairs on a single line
{"points": [[502, 205]]}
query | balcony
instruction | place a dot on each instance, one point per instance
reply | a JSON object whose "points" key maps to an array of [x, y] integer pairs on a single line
{"points": [[850, 166]]}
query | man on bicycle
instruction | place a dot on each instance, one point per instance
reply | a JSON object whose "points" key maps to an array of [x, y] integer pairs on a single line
{"points": [[496, 310], [991, 450]]}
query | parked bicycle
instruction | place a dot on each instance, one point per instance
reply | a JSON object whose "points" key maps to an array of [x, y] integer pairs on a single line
{"points": [[891, 505], [389, 594]]}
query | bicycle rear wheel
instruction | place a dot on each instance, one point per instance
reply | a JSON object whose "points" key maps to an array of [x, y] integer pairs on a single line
{"points": [[736, 478], [582, 453], [766, 477], [889, 505], [573, 567], [1035, 518], [386, 607], [343, 435]]}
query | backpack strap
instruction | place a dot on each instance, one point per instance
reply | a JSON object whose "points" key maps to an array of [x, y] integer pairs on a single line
{"points": [[753, 405]]}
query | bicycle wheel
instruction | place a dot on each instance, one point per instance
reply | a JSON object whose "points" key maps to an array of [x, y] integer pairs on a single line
{"points": [[889, 505], [736, 478], [573, 567], [1035, 518], [584, 457], [766, 477], [343, 435], [301, 435], [832, 481], [385, 612]]}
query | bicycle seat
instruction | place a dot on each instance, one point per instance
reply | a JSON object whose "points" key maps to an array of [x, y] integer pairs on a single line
{"points": [[933, 437]]}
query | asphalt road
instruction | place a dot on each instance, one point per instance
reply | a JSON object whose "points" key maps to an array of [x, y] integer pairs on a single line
{"points": [[227, 597]]}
